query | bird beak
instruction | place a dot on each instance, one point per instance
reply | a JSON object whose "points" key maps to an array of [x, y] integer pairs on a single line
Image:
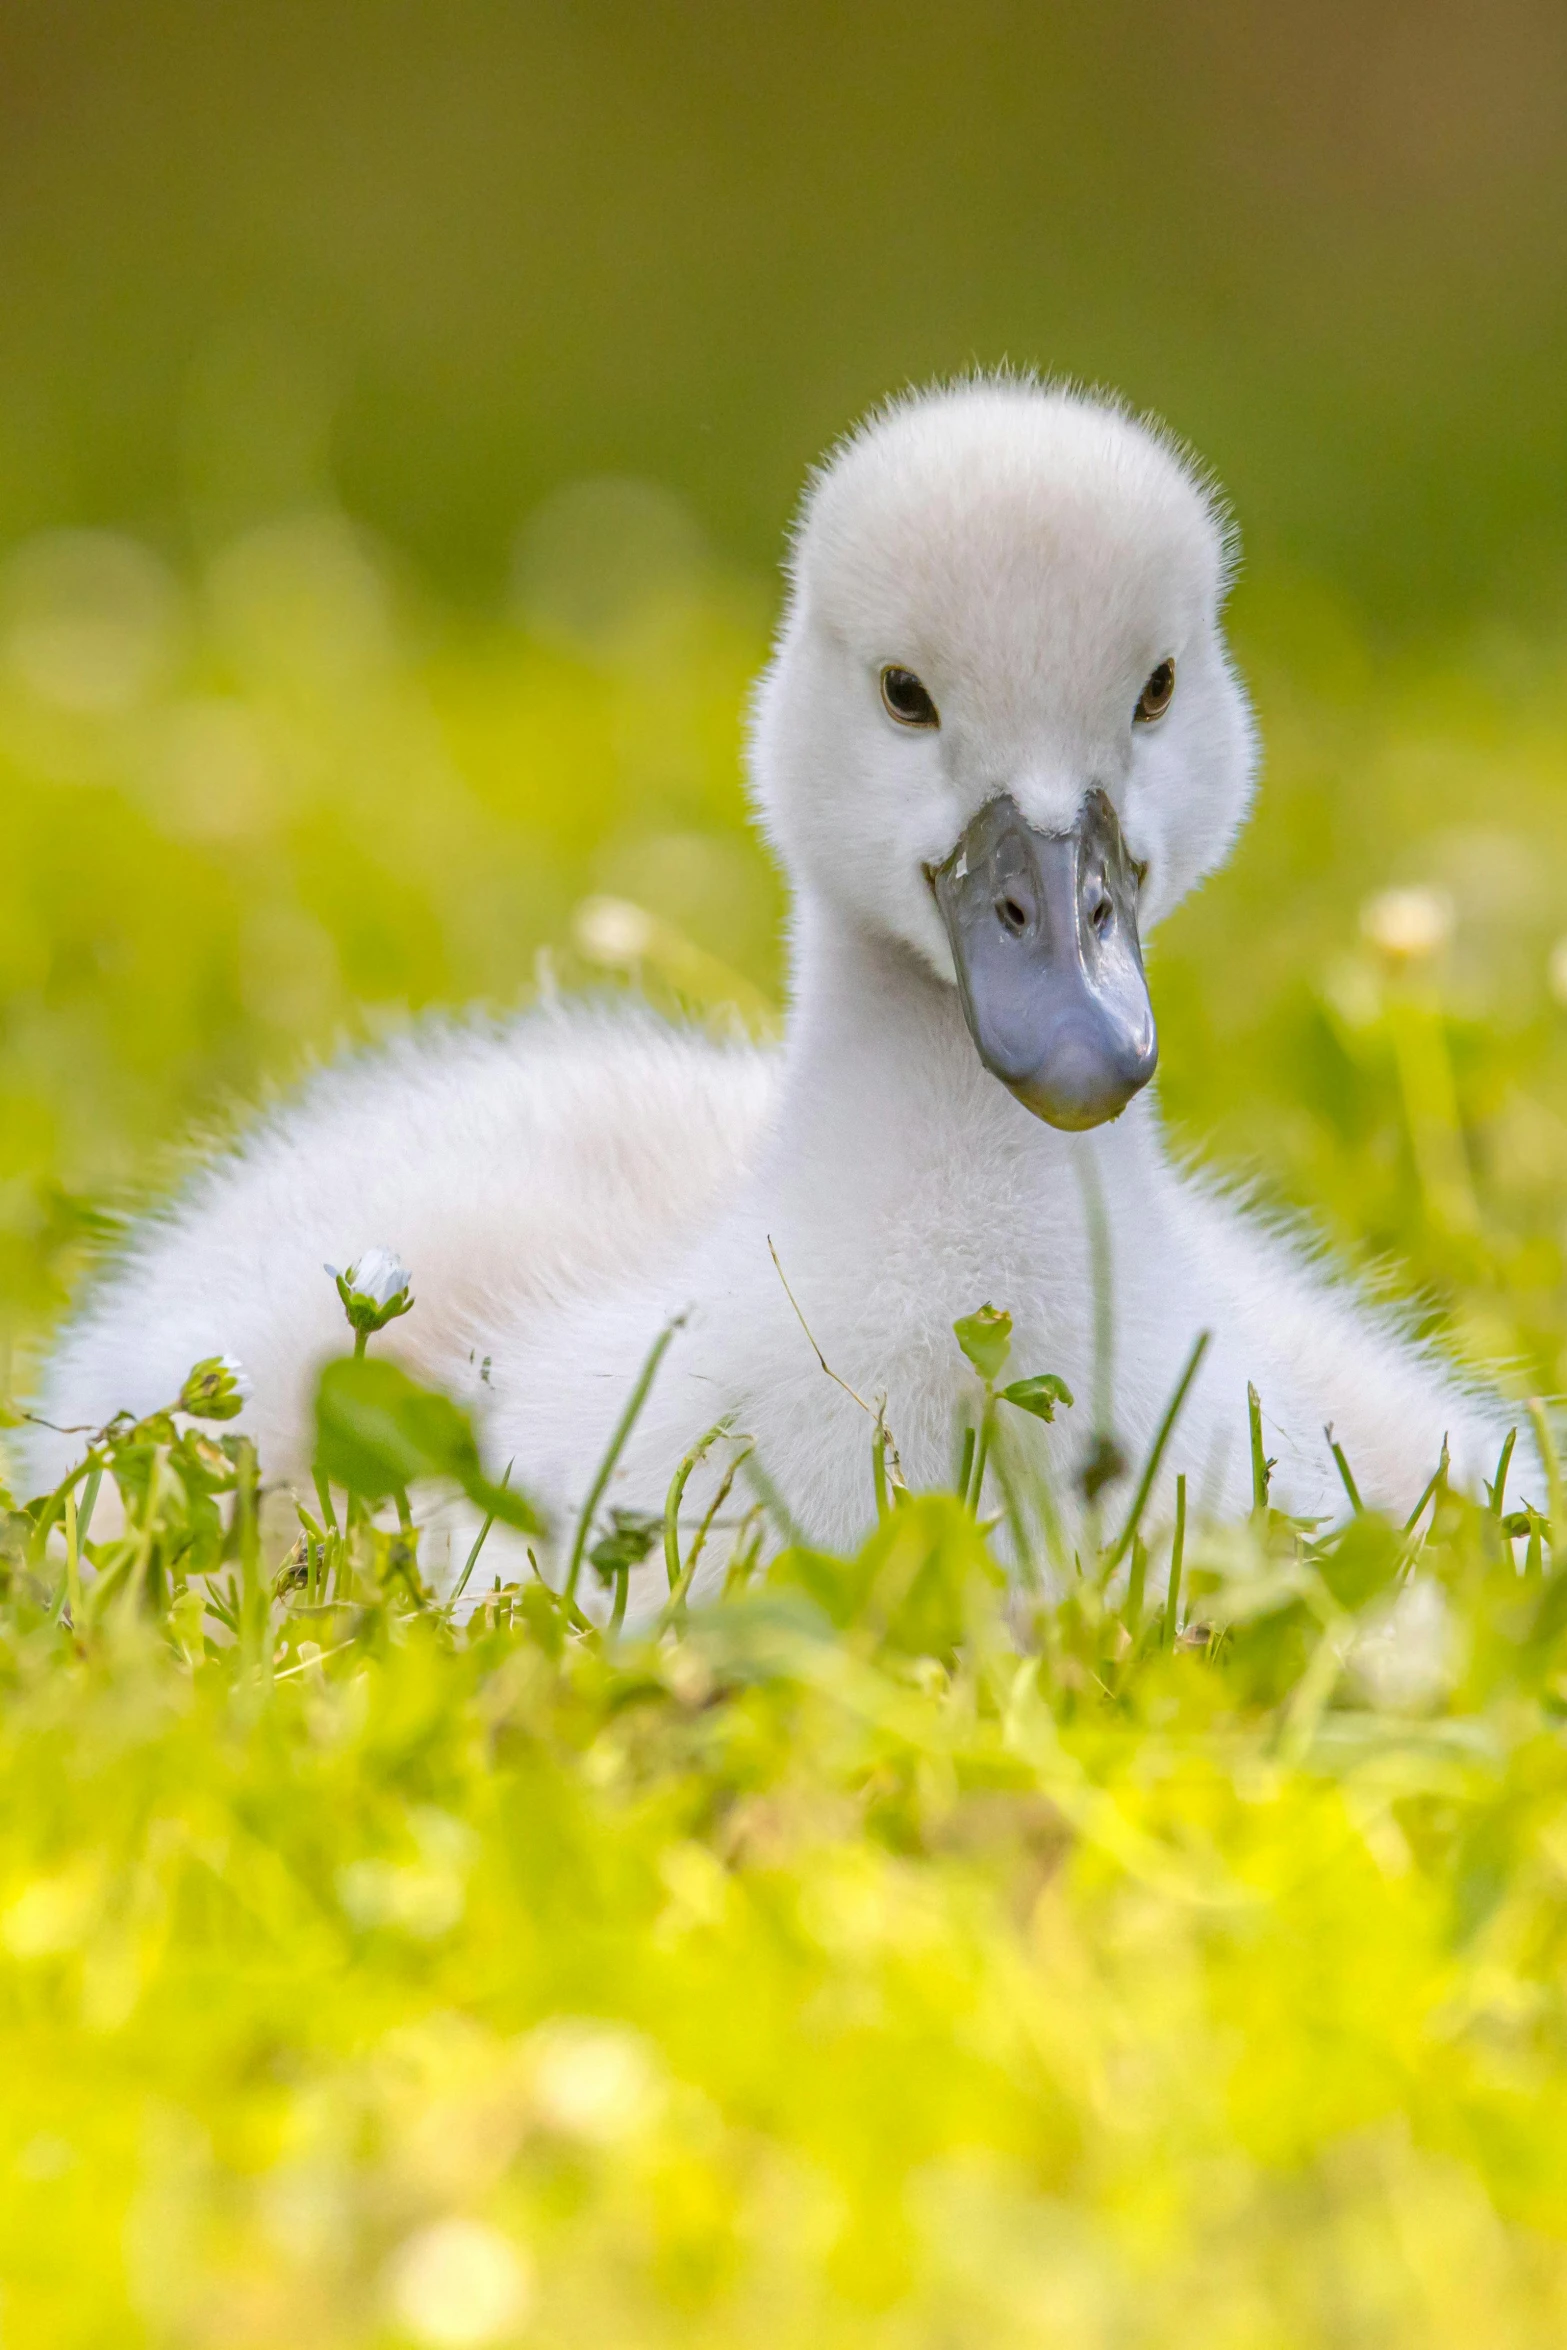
{"points": [[1043, 927]]}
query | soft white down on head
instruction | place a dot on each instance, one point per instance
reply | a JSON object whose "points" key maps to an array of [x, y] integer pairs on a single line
{"points": [[1032, 555]]}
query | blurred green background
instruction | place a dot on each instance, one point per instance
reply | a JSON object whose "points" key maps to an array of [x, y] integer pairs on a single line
{"points": [[400, 409]]}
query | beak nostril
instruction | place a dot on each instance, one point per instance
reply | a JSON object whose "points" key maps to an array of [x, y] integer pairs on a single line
{"points": [[1013, 915], [1099, 914]]}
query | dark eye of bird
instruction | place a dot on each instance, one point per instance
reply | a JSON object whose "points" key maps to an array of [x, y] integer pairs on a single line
{"points": [[906, 699], [1155, 697]]}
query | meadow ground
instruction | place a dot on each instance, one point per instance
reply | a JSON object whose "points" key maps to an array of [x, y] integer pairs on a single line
{"points": [[852, 1959]]}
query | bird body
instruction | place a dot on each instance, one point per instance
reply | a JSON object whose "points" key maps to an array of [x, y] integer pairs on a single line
{"points": [[1002, 640]]}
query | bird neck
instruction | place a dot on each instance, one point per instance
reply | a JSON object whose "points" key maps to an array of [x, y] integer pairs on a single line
{"points": [[880, 1071]]}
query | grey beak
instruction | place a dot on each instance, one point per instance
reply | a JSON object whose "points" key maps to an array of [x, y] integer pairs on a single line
{"points": [[1043, 928]]}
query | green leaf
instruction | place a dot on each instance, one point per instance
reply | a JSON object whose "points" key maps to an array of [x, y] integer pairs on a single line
{"points": [[507, 1504], [632, 1534], [986, 1339], [1105, 1462], [1363, 1562], [378, 1431], [1038, 1395], [1550, 1617], [918, 1586]]}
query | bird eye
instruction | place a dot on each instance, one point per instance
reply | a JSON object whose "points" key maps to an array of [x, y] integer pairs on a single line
{"points": [[905, 699], [1156, 695]]}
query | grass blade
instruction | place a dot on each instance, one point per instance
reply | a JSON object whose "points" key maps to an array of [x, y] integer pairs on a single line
{"points": [[1261, 1466], [1437, 1478], [1156, 1453], [672, 1500], [479, 1542], [1133, 1612], [616, 1446], [1552, 1462], [1177, 1556], [1346, 1476], [982, 1454]]}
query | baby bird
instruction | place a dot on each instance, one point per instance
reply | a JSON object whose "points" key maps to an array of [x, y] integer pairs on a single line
{"points": [[999, 738]]}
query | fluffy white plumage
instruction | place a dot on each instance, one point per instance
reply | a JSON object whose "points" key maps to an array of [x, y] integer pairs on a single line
{"points": [[563, 1184]]}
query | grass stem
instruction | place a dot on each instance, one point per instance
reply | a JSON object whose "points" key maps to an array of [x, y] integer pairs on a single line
{"points": [[879, 1468], [749, 1537], [1551, 1462], [676, 1493], [1261, 1466], [982, 1453], [1346, 1474], [616, 1446], [1436, 1133], [1017, 1525], [479, 1542], [73, 1561], [1177, 1555], [247, 1527], [1436, 1480], [677, 1598], [1172, 1411], [1135, 1584]]}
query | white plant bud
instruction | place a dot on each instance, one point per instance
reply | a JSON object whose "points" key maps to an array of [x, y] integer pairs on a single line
{"points": [[459, 2284], [1407, 1651], [374, 1291], [380, 1274], [613, 931], [1408, 925]]}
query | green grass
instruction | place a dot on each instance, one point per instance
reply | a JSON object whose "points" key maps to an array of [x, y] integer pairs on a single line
{"points": [[864, 1957], [860, 1956]]}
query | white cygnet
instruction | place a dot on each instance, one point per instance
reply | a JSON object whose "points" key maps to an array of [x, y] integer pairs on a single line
{"points": [[999, 738]]}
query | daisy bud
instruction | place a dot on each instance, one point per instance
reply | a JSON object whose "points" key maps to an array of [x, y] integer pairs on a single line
{"points": [[217, 1389], [374, 1290]]}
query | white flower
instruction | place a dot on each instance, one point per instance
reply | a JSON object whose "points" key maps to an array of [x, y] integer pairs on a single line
{"points": [[614, 931], [591, 2080], [1408, 925], [239, 1378], [379, 1274], [459, 2284], [423, 1902], [1407, 1651]]}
